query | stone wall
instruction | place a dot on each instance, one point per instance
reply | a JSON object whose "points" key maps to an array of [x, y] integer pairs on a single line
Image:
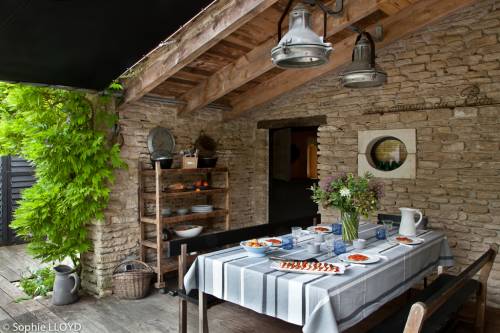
{"points": [[117, 237], [458, 154]]}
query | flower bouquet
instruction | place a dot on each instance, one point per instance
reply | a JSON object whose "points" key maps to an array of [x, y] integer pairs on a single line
{"points": [[352, 195]]}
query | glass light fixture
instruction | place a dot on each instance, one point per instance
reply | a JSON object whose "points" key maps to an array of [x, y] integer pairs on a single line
{"points": [[363, 71]]}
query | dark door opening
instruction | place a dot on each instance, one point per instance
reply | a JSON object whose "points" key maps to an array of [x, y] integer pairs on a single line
{"points": [[292, 171]]}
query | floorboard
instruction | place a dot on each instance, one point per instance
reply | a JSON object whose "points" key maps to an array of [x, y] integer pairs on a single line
{"points": [[153, 314]]}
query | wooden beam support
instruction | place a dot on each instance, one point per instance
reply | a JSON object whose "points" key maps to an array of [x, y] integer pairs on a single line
{"points": [[405, 22], [214, 24], [258, 61]]}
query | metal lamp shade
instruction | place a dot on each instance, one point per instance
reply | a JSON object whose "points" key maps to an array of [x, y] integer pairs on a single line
{"points": [[363, 72], [300, 47]]}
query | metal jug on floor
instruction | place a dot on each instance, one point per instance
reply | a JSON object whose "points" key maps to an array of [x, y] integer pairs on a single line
{"points": [[66, 286], [408, 226]]}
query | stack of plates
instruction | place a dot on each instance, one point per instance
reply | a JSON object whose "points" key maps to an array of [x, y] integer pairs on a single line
{"points": [[202, 208]]}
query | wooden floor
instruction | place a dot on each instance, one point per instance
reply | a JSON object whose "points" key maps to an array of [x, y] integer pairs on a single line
{"points": [[156, 313]]}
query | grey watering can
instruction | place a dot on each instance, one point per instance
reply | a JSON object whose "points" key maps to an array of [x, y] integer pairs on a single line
{"points": [[66, 285]]}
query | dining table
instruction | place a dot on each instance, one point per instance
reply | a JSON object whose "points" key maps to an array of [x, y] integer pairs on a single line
{"points": [[320, 302]]}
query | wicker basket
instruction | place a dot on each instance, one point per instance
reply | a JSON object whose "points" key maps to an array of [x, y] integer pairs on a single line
{"points": [[133, 283]]}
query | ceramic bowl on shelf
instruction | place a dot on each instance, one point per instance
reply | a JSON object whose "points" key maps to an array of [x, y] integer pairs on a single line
{"points": [[207, 162], [182, 211], [166, 212], [187, 231]]}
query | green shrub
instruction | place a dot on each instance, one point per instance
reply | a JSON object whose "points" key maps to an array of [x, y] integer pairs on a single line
{"points": [[60, 133], [39, 283]]}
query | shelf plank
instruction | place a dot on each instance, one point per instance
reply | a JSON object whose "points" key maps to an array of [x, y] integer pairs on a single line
{"points": [[152, 195], [149, 243], [148, 219], [194, 216], [167, 265], [151, 172]]}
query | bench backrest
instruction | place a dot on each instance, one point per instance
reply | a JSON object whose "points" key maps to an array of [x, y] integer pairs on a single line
{"points": [[422, 310], [234, 236]]}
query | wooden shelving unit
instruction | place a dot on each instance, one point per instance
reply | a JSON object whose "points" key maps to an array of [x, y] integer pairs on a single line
{"points": [[160, 198]]}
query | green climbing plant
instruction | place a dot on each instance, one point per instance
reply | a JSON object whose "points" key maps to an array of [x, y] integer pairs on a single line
{"points": [[63, 134]]}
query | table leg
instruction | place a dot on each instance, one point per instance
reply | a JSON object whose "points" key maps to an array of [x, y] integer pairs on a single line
{"points": [[202, 312]]}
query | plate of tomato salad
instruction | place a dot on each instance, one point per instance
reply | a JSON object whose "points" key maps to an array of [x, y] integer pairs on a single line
{"points": [[358, 258]]}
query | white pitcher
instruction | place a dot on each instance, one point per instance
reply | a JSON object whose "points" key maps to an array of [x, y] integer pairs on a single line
{"points": [[408, 226]]}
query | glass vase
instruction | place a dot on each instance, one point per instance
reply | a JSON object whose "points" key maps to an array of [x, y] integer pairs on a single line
{"points": [[350, 224]]}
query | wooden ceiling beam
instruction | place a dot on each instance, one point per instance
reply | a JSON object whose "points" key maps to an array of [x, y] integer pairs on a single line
{"points": [[391, 7], [408, 20], [258, 61], [211, 26]]}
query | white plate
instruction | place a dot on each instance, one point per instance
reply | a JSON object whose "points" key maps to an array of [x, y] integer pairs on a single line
{"points": [[269, 243], [414, 240], [371, 258], [276, 265], [313, 228]]}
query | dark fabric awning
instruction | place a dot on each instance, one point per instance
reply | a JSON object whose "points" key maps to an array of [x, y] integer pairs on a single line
{"points": [[83, 43]]}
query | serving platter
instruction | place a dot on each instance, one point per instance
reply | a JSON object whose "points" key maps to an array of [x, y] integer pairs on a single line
{"points": [[358, 258], [321, 268], [321, 228], [406, 240]]}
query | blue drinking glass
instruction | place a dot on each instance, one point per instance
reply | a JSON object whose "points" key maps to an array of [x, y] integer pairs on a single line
{"points": [[339, 247], [287, 242], [380, 234], [337, 229]]}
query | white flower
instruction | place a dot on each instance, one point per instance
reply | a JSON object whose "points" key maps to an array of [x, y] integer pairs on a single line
{"points": [[345, 192]]}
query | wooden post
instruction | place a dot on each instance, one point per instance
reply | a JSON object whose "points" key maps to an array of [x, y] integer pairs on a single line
{"points": [[141, 211], [160, 283], [202, 312], [182, 301], [415, 318]]}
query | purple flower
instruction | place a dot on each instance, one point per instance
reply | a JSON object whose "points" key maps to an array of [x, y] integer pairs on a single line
{"points": [[377, 188], [325, 183]]}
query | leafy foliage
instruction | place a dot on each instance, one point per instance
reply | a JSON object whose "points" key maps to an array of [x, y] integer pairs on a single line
{"points": [[39, 283], [59, 132], [349, 193]]}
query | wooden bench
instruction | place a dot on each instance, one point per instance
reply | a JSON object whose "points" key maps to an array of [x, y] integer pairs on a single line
{"points": [[434, 309], [212, 242]]}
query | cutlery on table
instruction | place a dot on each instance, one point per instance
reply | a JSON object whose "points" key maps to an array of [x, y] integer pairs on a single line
{"points": [[290, 259]]}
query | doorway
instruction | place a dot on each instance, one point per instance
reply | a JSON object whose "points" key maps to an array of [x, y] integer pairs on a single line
{"points": [[292, 171]]}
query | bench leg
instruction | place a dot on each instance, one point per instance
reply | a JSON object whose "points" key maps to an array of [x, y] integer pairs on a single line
{"points": [[480, 309], [182, 302], [182, 315], [202, 312], [484, 273]]}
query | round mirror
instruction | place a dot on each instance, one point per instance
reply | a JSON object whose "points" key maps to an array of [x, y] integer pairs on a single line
{"points": [[387, 153]]}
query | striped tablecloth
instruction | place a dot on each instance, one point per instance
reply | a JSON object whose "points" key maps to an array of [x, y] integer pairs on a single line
{"points": [[319, 303]]}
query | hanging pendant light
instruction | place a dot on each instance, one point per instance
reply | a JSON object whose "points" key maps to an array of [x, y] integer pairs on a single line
{"points": [[363, 72], [300, 47]]}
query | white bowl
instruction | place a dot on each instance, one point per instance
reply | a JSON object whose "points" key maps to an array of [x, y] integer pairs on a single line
{"points": [[195, 230]]}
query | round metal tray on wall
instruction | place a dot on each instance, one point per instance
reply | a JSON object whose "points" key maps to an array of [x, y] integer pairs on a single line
{"points": [[160, 140]]}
